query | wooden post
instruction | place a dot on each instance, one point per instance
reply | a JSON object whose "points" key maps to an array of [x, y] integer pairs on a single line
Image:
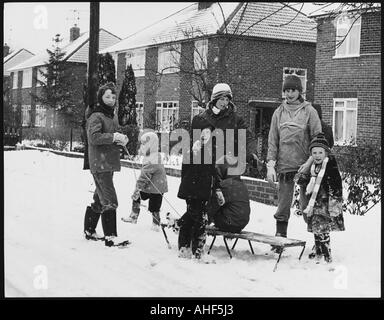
{"points": [[93, 52]]}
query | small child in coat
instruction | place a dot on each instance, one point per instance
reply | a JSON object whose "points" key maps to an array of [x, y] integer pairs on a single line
{"points": [[152, 182], [324, 212]]}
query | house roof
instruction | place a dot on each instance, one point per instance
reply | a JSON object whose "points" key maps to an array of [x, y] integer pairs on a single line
{"points": [[76, 51], [337, 8], [273, 20], [14, 58]]}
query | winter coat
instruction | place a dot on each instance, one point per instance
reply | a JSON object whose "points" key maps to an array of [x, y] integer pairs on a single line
{"points": [[290, 134], [104, 155], [196, 179], [327, 211], [229, 119], [236, 209], [153, 178]]}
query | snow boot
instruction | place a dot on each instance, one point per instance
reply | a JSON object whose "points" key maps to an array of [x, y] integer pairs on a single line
{"points": [[316, 249], [185, 253], [134, 214], [155, 221], [91, 219], [281, 231], [325, 247], [108, 220]]}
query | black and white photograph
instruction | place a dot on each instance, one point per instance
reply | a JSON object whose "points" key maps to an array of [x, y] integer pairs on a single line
{"points": [[192, 150]]}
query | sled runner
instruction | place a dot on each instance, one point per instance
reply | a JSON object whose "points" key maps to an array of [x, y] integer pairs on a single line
{"points": [[256, 237]]}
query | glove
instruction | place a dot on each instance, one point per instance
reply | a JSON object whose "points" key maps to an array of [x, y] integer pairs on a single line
{"points": [[271, 173], [120, 139], [220, 197], [196, 146], [136, 195]]}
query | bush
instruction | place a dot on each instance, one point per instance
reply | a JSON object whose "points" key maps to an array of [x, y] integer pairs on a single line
{"points": [[360, 169]]}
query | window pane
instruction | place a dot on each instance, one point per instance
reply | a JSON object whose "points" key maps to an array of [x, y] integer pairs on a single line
{"points": [[351, 126], [351, 104], [338, 125], [339, 104], [15, 80], [354, 40]]}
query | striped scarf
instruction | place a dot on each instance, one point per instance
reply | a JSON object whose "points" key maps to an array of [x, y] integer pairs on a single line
{"points": [[314, 185]]}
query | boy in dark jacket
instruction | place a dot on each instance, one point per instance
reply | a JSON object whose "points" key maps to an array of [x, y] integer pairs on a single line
{"points": [[231, 210], [104, 160], [195, 188]]}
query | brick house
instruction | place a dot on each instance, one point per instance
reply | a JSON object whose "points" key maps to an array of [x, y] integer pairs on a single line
{"points": [[348, 75], [251, 46], [24, 80]]}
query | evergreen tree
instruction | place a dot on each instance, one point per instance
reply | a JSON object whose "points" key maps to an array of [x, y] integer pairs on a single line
{"points": [[106, 71], [127, 110]]}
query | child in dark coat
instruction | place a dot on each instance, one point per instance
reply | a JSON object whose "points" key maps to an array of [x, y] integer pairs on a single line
{"points": [[231, 210], [195, 188], [104, 160], [324, 212]]}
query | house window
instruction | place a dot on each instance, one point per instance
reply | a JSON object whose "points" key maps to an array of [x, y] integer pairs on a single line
{"points": [[27, 78], [200, 54], [15, 80], [26, 115], [41, 116], [196, 109], [40, 77], [140, 114], [167, 115], [137, 59], [347, 36], [301, 73], [169, 59], [345, 121]]}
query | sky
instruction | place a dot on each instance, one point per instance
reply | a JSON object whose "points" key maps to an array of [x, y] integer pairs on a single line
{"points": [[32, 25]]}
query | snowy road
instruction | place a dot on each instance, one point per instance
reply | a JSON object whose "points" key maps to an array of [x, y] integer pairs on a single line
{"points": [[45, 196]]}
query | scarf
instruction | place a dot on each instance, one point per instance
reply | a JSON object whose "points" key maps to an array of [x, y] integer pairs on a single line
{"points": [[103, 108], [314, 185]]}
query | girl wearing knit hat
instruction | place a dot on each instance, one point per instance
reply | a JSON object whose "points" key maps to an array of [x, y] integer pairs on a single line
{"points": [[324, 212], [294, 123]]}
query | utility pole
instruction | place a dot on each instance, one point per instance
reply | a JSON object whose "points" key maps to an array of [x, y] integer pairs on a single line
{"points": [[93, 80]]}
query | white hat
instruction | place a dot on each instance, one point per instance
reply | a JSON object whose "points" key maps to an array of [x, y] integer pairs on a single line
{"points": [[221, 89]]}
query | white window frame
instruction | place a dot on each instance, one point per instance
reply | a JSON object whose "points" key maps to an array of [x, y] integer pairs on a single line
{"points": [[195, 108], [343, 24], [41, 116], [39, 76], [200, 54], [163, 108], [27, 78], [137, 59], [15, 78], [169, 59], [344, 109], [25, 115], [297, 72], [140, 114]]}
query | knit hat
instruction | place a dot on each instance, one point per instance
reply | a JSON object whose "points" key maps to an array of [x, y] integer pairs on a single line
{"points": [[292, 82], [220, 90], [319, 141]]}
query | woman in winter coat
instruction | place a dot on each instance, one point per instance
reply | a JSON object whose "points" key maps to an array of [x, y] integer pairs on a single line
{"points": [[195, 188], [324, 212], [104, 160], [231, 211]]}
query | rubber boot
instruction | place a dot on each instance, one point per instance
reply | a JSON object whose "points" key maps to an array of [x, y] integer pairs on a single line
{"points": [[325, 242], [281, 231], [156, 221], [316, 250], [134, 213], [91, 219]]}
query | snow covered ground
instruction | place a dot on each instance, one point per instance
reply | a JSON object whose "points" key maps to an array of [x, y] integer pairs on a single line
{"points": [[45, 196]]}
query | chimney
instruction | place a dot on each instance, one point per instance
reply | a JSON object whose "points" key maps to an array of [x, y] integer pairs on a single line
{"points": [[204, 5], [74, 33], [6, 50]]}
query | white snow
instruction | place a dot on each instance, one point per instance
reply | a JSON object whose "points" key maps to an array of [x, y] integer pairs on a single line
{"points": [[45, 196]]}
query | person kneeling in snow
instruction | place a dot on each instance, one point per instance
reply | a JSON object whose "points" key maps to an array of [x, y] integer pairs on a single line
{"points": [[152, 183], [324, 212], [231, 210], [104, 159]]}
